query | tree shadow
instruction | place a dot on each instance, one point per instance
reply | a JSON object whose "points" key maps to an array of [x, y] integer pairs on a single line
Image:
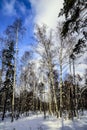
{"points": [[39, 123]]}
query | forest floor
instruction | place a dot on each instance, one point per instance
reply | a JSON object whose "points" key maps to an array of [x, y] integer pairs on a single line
{"points": [[37, 122]]}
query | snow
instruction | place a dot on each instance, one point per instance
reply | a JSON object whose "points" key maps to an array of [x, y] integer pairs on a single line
{"points": [[37, 122]]}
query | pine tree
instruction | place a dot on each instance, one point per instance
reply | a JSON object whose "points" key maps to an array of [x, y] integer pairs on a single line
{"points": [[8, 67], [75, 12]]}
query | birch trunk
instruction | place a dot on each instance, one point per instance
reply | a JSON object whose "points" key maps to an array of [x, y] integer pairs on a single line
{"points": [[37, 100], [50, 105], [75, 101], [14, 82], [61, 102], [70, 109], [34, 96], [53, 87]]}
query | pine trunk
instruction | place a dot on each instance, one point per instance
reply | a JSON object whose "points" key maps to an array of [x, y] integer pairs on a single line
{"points": [[4, 107]]}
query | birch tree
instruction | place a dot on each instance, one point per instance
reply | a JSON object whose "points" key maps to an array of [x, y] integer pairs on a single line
{"points": [[63, 49], [44, 49], [14, 31]]}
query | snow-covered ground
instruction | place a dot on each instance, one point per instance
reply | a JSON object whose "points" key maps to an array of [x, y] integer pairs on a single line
{"points": [[37, 122]]}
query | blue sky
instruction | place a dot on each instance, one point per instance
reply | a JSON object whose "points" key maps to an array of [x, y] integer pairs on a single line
{"points": [[31, 12], [12, 9]]}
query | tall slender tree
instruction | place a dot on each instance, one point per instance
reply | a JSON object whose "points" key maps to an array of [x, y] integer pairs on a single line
{"points": [[14, 32], [8, 67], [45, 44]]}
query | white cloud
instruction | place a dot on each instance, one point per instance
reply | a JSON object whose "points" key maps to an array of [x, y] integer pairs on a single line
{"points": [[14, 7], [22, 7], [28, 19], [46, 11], [81, 68], [8, 7]]}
